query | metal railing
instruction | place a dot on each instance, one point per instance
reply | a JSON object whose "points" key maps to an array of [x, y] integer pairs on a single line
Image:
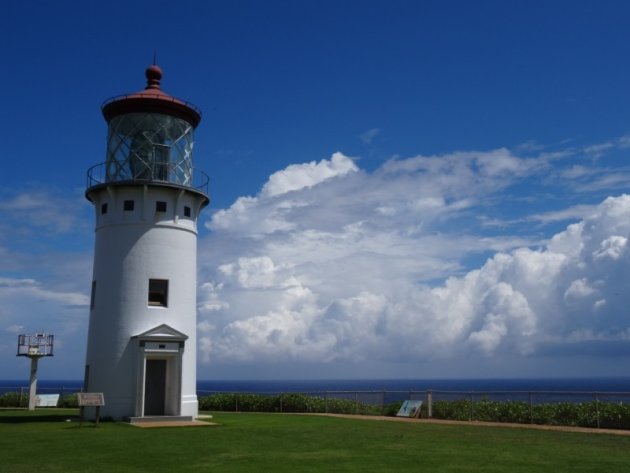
{"points": [[21, 394], [168, 174], [573, 408], [579, 408], [162, 97]]}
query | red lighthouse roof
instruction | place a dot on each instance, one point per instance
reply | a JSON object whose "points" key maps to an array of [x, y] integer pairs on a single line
{"points": [[152, 100]]}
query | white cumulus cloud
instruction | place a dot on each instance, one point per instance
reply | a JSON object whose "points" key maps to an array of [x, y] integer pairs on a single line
{"points": [[372, 267], [299, 176]]}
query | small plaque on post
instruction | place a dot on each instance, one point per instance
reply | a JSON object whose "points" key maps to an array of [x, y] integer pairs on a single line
{"points": [[90, 400]]}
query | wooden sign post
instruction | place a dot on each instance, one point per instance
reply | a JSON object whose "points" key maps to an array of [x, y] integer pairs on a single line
{"points": [[90, 400]]}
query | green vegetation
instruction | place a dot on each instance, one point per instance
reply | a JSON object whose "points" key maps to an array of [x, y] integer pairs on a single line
{"points": [[13, 399], [287, 402], [586, 414], [45, 441], [16, 399]]}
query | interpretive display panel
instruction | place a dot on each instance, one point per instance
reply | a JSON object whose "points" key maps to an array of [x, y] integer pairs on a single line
{"points": [[410, 409]]}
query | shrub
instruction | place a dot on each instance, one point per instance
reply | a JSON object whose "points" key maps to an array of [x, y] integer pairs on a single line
{"points": [[286, 402], [496, 411], [68, 401], [13, 399], [452, 410], [585, 414], [392, 408], [614, 415], [294, 402]]}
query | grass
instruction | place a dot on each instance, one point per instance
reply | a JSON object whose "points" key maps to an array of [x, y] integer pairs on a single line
{"points": [[44, 441]]}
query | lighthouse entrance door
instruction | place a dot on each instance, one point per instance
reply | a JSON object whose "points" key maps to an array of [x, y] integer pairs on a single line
{"points": [[159, 374], [155, 388]]}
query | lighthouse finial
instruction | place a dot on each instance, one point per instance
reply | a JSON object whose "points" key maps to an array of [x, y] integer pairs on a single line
{"points": [[154, 75]]}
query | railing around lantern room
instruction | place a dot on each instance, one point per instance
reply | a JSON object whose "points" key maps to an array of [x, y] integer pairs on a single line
{"points": [[168, 174]]}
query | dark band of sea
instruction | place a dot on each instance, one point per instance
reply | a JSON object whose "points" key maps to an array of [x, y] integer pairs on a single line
{"points": [[608, 384], [205, 387]]}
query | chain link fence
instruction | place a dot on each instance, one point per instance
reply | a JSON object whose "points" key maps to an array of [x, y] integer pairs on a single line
{"points": [[573, 408]]}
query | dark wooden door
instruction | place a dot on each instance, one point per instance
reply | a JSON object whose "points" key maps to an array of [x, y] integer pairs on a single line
{"points": [[155, 388]]}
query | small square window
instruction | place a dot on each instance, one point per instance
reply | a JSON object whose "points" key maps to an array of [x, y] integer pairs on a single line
{"points": [[186, 211], [128, 205], [158, 292], [160, 206], [104, 208]]}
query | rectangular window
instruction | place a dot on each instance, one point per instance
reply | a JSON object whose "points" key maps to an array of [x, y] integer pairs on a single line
{"points": [[128, 205], [104, 208], [186, 211], [93, 295], [160, 206], [158, 292]]}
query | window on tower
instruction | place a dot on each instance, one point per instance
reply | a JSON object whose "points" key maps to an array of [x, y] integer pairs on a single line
{"points": [[104, 208], [160, 206], [128, 205], [186, 211], [158, 292]]}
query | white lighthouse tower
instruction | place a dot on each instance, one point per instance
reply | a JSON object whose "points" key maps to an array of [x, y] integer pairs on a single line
{"points": [[141, 351]]}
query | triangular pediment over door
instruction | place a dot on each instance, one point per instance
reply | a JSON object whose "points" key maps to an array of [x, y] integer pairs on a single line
{"points": [[162, 333]]}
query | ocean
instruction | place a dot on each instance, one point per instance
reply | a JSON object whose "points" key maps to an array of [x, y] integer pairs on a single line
{"points": [[487, 385], [205, 387]]}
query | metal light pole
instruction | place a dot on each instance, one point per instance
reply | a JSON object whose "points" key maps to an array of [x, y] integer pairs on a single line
{"points": [[34, 347]]}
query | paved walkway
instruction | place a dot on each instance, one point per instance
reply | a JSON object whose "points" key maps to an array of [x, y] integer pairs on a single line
{"points": [[203, 420]]}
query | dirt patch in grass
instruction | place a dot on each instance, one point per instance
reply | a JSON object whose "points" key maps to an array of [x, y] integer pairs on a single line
{"points": [[559, 428]]}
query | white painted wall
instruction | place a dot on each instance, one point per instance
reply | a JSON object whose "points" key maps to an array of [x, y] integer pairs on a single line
{"points": [[132, 247]]}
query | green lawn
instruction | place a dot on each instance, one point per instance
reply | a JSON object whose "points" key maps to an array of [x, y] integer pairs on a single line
{"points": [[44, 441]]}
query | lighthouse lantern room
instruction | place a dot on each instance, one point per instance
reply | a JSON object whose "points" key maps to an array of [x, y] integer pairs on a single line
{"points": [[141, 351]]}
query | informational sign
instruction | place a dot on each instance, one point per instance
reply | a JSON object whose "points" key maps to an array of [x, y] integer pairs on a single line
{"points": [[90, 399], [46, 400], [410, 409]]}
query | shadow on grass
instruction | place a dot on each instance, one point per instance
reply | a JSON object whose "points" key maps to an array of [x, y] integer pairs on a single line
{"points": [[22, 416]]}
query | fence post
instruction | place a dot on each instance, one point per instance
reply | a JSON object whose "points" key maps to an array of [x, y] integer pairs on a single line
{"points": [[21, 396], [472, 411], [326, 401], [382, 402], [597, 408], [429, 404], [531, 409]]}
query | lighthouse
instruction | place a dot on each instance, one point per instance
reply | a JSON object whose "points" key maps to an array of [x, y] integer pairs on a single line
{"points": [[147, 197]]}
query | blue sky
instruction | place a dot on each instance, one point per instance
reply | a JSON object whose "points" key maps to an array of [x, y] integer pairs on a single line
{"points": [[399, 188]]}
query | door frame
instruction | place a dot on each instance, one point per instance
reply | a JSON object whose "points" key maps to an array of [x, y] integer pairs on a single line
{"points": [[161, 343]]}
